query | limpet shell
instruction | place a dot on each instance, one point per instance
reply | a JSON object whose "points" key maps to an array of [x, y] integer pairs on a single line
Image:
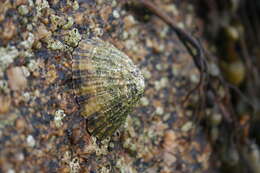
{"points": [[107, 85]]}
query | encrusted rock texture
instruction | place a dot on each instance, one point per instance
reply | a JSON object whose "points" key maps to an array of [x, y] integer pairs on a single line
{"points": [[41, 129]]}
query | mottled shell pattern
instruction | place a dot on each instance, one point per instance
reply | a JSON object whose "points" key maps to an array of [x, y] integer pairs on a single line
{"points": [[107, 85]]}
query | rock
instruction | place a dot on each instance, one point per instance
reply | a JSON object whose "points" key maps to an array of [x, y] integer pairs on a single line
{"points": [[16, 78]]}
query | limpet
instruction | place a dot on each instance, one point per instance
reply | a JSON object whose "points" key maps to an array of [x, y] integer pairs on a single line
{"points": [[107, 85]]}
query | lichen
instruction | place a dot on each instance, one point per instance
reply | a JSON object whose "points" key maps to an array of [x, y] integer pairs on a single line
{"points": [[57, 21], [73, 37], [124, 166], [4, 86], [55, 44], [69, 23], [7, 56], [23, 9], [74, 165], [58, 117], [8, 119], [27, 44]]}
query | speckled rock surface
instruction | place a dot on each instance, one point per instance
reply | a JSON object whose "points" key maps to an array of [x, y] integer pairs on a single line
{"points": [[40, 127]]}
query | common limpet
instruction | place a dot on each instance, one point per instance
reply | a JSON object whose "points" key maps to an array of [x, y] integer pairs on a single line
{"points": [[107, 85]]}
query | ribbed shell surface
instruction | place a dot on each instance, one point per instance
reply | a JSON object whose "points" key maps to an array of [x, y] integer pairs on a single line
{"points": [[107, 85]]}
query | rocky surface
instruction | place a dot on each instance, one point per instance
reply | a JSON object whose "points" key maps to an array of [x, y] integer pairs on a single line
{"points": [[40, 127]]}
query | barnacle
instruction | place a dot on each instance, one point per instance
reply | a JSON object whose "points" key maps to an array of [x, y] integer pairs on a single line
{"points": [[107, 85]]}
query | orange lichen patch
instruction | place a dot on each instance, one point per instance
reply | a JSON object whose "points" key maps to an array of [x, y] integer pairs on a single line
{"points": [[204, 156], [169, 140], [169, 158], [4, 6], [105, 12], [149, 154], [79, 18], [9, 30], [129, 21], [51, 74], [42, 32], [245, 123], [157, 103], [20, 2], [5, 103], [20, 124]]}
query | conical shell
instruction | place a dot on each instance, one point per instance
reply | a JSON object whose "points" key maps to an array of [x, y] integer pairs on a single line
{"points": [[107, 85]]}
